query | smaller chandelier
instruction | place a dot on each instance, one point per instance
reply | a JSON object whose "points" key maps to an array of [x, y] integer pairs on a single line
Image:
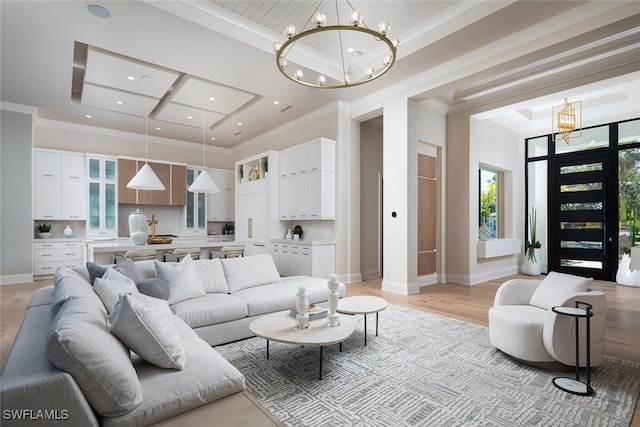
{"points": [[566, 120], [317, 24]]}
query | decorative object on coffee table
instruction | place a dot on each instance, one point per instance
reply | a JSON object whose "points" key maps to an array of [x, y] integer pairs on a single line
{"points": [[333, 285], [363, 304], [302, 305]]}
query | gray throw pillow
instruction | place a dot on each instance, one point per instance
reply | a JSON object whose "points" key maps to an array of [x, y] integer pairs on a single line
{"points": [[109, 290], [154, 287], [125, 266], [79, 343], [184, 280], [146, 326]]}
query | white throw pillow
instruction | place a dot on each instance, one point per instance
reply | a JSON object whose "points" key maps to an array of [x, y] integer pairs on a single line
{"points": [[212, 275], [184, 280], [556, 287], [247, 272], [146, 326], [109, 290]]}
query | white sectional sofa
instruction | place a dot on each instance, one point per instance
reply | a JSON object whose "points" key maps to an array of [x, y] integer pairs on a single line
{"points": [[68, 366]]}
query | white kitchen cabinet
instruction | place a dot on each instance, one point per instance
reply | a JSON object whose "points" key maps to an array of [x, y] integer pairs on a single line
{"points": [[256, 207], [220, 206], [59, 191], [303, 259], [195, 211], [307, 183], [102, 180], [49, 256]]}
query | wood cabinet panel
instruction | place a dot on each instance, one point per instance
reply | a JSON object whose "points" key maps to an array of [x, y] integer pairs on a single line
{"points": [[157, 197], [178, 185], [127, 169]]}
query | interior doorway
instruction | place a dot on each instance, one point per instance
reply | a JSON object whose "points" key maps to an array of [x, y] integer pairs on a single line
{"points": [[429, 208], [371, 197]]}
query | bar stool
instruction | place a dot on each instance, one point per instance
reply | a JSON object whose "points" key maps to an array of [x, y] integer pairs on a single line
{"points": [[137, 255], [232, 251], [180, 253]]}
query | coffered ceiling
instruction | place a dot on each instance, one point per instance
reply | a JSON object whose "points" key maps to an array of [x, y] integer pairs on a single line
{"points": [[68, 63]]}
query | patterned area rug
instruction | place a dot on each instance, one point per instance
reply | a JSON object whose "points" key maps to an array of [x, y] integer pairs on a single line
{"points": [[424, 370]]}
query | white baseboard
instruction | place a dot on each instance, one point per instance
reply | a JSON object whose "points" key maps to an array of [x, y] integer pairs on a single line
{"points": [[16, 278], [429, 279], [350, 278], [459, 279], [371, 274], [399, 288], [492, 275]]}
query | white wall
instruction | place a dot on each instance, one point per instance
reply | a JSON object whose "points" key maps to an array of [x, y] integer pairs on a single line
{"points": [[370, 171], [497, 147]]}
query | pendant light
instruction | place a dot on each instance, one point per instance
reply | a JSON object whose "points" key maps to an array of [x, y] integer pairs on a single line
{"points": [[203, 182], [146, 179]]}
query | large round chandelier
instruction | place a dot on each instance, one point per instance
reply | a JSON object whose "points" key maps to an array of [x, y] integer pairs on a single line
{"points": [[315, 27]]}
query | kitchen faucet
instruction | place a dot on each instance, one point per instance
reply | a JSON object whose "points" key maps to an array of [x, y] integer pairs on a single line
{"points": [[152, 223]]}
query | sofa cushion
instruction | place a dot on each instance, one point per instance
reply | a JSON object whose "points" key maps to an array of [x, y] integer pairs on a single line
{"points": [[212, 275], [210, 309], [556, 287], [184, 280], [247, 272], [109, 291], [206, 377], [69, 284], [79, 343], [281, 296], [145, 325]]}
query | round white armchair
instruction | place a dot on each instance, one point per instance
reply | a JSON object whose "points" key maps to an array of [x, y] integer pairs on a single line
{"points": [[522, 324]]}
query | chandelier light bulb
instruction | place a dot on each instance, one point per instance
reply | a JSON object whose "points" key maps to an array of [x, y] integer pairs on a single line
{"points": [[298, 74], [383, 28], [320, 19], [283, 64], [321, 80], [290, 31], [370, 72], [395, 43], [276, 47], [387, 60], [356, 18]]}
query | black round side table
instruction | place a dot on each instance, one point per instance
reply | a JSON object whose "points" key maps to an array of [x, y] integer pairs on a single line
{"points": [[570, 385]]}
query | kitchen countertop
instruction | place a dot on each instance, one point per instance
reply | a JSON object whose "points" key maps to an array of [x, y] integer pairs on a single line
{"points": [[304, 242]]}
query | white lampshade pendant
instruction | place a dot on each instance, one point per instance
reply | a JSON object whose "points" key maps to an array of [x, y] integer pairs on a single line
{"points": [[145, 179], [204, 184]]}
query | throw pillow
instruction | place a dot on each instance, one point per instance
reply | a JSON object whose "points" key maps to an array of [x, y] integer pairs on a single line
{"points": [[556, 287], [184, 280], [155, 287], [79, 343], [126, 266], [212, 275], [109, 291], [247, 272], [145, 325]]}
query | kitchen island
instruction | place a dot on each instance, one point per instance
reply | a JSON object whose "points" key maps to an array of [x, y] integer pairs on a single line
{"points": [[104, 251]]}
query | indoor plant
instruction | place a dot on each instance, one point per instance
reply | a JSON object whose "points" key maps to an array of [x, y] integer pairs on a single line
{"points": [[530, 265], [44, 230]]}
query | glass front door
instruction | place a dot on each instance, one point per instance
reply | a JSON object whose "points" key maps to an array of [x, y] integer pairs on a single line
{"points": [[583, 217]]}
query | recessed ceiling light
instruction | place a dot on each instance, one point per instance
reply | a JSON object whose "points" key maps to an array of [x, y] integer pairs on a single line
{"points": [[239, 123], [88, 116], [99, 11], [211, 98], [276, 102], [189, 117], [158, 128], [119, 102], [131, 78], [350, 50], [213, 138]]}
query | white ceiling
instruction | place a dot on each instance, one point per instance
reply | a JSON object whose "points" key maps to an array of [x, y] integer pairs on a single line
{"points": [[69, 63]]}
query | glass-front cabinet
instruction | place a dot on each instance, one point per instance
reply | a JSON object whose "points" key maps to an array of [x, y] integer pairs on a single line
{"points": [[195, 211], [102, 218]]}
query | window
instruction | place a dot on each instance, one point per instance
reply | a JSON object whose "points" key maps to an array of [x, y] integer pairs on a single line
{"points": [[489, 196]]}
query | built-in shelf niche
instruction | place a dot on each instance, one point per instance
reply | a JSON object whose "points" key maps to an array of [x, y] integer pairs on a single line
{"points": [[498, 247]]}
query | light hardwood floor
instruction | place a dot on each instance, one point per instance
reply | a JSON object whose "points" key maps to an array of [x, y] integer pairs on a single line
{"points": [[468, 303]]}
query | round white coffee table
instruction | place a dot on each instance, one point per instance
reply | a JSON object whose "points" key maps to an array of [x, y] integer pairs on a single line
{"points": [[362, 304], [281, 327]]}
